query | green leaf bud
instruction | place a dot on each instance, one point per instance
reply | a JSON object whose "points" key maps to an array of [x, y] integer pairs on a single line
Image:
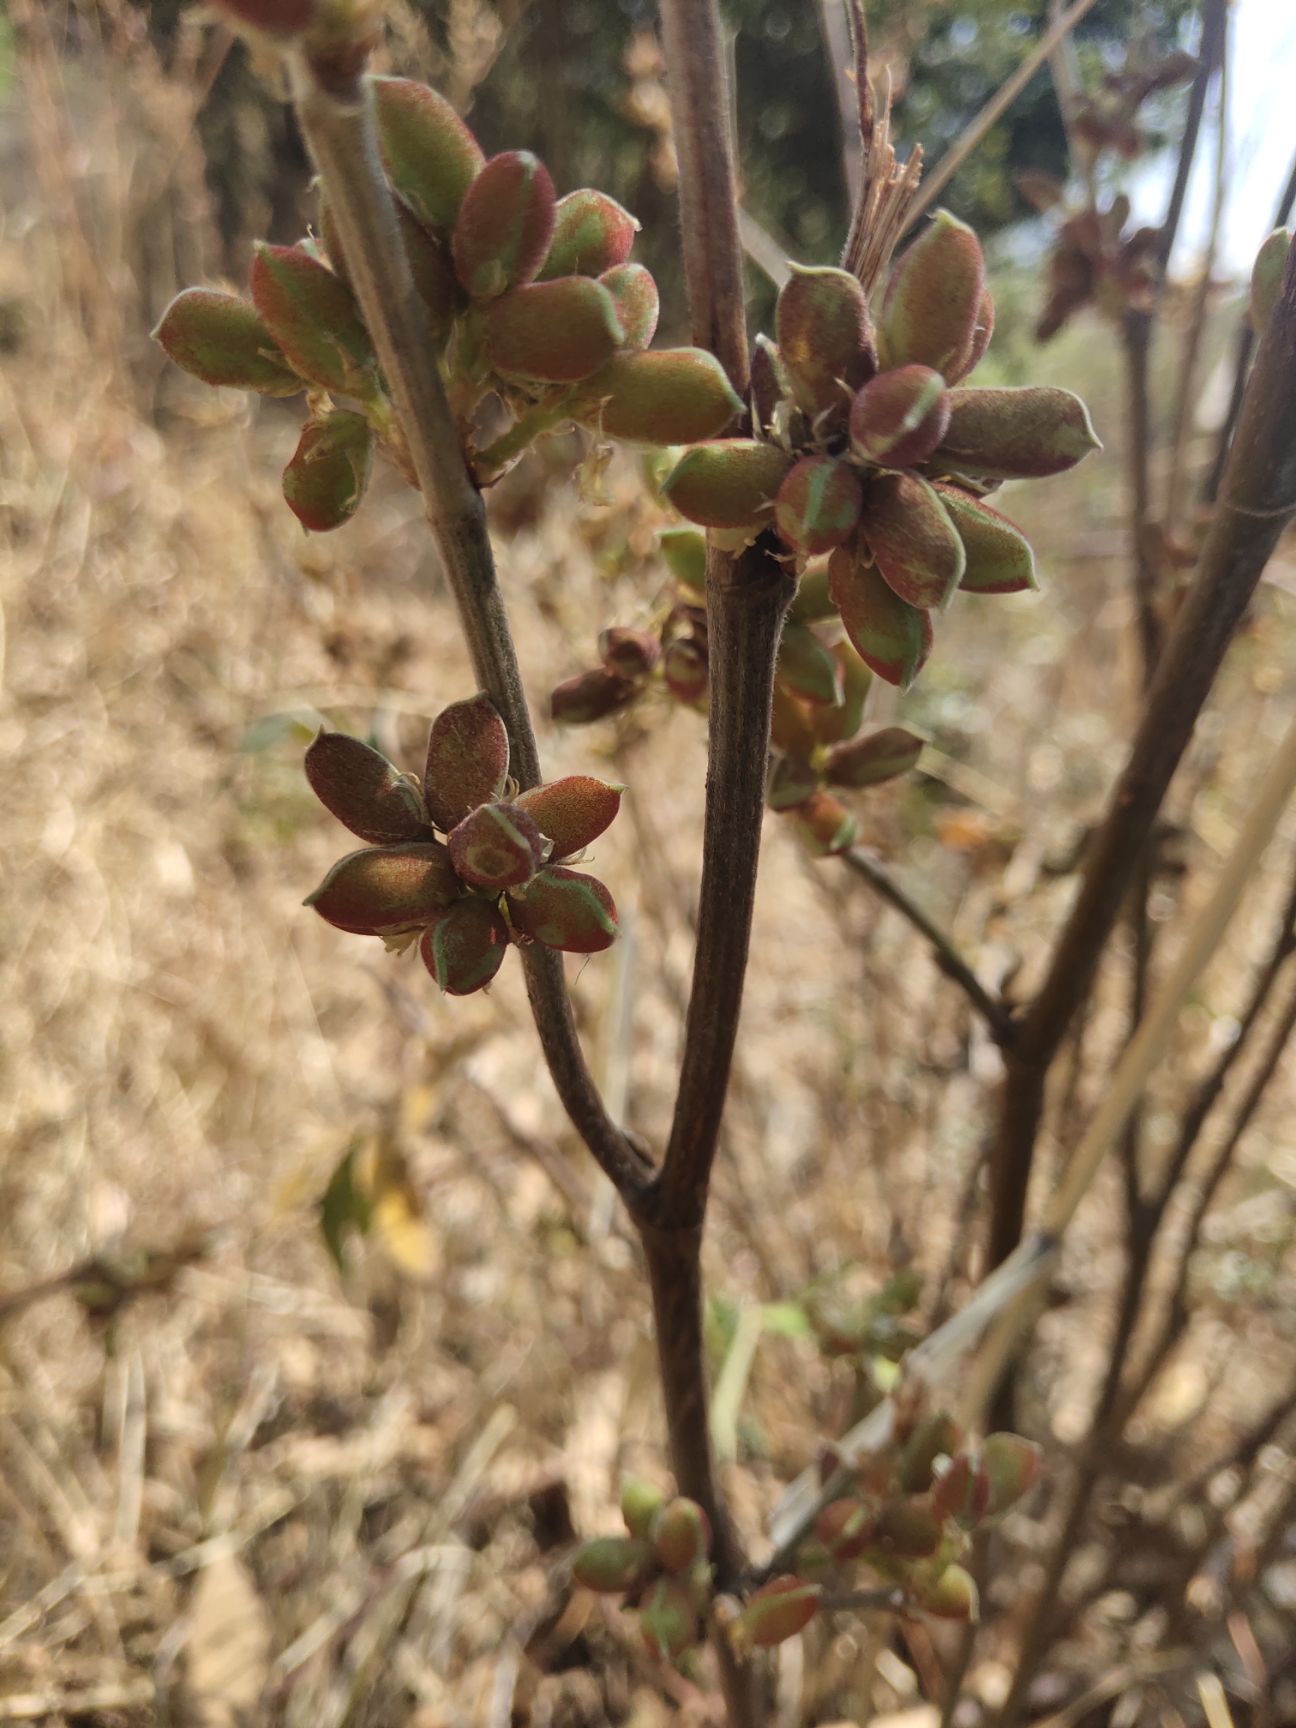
{"points": [[913, 541], [825, 340], [467, 761], [891, 637], [566, 909], [311, 315], [900, 416], [465, 947], [497, 846], [384, 890], [663, 396], [999, 556], [359, 786], [1015, 434], [818, 505], [572, 812], [592, 233], [932, 305], [504, 225], [870, 760], [327, 474], [728, 483], [638, 303], [221, 339], [431, 156]]}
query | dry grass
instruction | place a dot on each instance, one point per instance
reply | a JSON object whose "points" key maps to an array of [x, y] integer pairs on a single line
{"points": [[260, 1494]]}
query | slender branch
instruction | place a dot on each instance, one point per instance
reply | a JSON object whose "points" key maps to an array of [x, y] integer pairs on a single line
{"points": [[995, 108], [340, 131], [1210, 60], [991, 1009], [1259, 499], [695, 61], [746, 600]]}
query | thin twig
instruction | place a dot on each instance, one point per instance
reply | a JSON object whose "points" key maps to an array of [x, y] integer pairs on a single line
{"points": [[873, 871], [995, 108], [341, 134]]}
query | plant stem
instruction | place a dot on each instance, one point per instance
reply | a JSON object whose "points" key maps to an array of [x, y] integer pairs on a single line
{"points": [[947, 956], [340, 131], [1258, 500]]}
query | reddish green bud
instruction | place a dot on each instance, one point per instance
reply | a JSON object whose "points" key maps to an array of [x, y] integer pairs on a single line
{"points": [[833, 725], [504, 224], [664, 396], [681, 1535], [359, 786], [684, 550], [1266, 279], [327, 473], [384, 890], [790, 724], [825, 824], [640, 1503], [467, 761], [807, 668], [812, 604], [497, 846], [590, 696], [311, 315], [962, 1492], [684, 667], [1012, 1465], [907, 1529], [825, 341], [555, 332], [933, 300], [845, 1527], [222, 340], [592, 233], [818, 505], [432, 158], [999, 556], [572, 812], [791, 782], [777, 1612], [669, 1619], [613, 1565], [900, 416], [953, 1596], [637, 302], [913, 541], [892, 638], [629, 653], [869, 761], [934, 1437], [465, 948], [566, 909], [1016, 434], [729, 483]]}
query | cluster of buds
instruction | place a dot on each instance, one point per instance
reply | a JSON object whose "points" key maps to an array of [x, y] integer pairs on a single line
{"points": [[870, 448], [462, 864], [530, 300], [909, 1512], [820, 751], [661, 1567], [1097, 258]]}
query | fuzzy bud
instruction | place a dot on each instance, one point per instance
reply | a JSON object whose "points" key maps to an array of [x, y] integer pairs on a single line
{"points": [[663, 396], [953, 1596], [366, 792], [681, 1535], [311, 315], [571, 813], [807, 668], [778, 1611], [907, 1529], [728, 483], [1012, 1465], [555, 332], [913, 542], [327, 474], [999, 559], [592, 233], [432, 158], [962, 1492], [900, 416], [640, 1503], [835, 725], [825, 824], [465, 948], [504, 224], [869, 761], [791, 782], [566, 909], [818, 505], [669, 1619], [684, 550], [629, 653], [497, 846], [384, 890], [634, 292], [467, 761], [221, 339], [590, 696], [933, 300], [825, 341], [892, 638], [613, 1565], [1016, 434]]}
